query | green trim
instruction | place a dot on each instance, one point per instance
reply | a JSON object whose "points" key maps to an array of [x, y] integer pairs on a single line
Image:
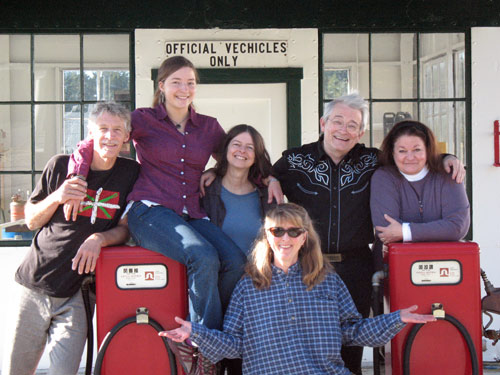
{"points": [[290, 76]]}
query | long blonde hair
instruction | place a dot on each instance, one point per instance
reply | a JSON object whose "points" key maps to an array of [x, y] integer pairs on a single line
{"points": [[314, 266]]}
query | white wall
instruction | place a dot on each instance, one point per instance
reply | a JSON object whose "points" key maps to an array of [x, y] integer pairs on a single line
{"points": [[302, 52], [10, 258], [486, 177]]}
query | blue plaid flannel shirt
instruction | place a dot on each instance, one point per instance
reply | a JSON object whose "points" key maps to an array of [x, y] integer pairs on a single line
{"points": [[288, 330]]}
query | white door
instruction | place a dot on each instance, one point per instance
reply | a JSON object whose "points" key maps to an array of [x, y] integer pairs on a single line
{"points": [[261, 105]]}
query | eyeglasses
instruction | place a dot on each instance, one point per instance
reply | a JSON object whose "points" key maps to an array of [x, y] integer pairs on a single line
{"points": [[292, 232], [351, 127]]}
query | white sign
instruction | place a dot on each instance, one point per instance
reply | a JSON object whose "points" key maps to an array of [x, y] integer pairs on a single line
{"points": [[142, 276], [222, 53], [436, 272]]}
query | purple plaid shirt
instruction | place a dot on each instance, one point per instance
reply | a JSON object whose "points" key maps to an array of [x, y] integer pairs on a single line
{"points": [[172, 162]]}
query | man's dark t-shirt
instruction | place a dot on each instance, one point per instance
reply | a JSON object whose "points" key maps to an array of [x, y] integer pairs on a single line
{"points": [[47, 267]]}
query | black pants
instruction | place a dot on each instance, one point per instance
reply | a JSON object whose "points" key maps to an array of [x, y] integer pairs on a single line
{"points": [[356, 273]]}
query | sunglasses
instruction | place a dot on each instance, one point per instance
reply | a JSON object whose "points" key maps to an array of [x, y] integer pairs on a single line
{"points": [[292, 232]]}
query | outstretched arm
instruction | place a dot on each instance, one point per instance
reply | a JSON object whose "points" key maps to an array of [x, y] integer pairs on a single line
{"points": [[407, 316]]}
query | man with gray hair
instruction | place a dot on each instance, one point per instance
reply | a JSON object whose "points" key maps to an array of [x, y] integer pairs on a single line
{"points": [[330, 178], [50, 311]]}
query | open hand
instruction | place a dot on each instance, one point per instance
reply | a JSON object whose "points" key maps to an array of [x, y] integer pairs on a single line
{"points": [[179, 334], [407, 316]]}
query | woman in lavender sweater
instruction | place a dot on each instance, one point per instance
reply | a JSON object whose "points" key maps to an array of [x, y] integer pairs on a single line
{"points": [[412, 198]]}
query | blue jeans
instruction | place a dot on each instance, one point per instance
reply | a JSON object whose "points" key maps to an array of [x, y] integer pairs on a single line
{"points": [[214, 263]]}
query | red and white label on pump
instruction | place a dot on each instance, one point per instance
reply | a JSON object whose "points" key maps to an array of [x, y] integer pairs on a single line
{"points": [[436, 272], [141, 276]]}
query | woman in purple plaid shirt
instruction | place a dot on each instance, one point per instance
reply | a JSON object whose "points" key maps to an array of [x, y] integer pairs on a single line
{"points": [[291, 313]]}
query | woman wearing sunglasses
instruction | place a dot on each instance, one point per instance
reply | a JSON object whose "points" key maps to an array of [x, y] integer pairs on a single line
{"points": [[291, 312]]}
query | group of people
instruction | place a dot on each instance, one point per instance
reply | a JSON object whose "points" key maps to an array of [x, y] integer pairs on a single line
{"points": [[274, 287]]}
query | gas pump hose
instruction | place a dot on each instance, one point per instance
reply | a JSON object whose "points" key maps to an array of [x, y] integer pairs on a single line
{"points": [[459, 326], [90, 329], [133, 319]]}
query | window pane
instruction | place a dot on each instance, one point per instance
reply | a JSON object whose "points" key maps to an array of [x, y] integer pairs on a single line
{"points": [[48, 132], [385, 115], [106, 64], [347, 52], [53, 54], [459, 78], [335, 83], [394, 66], [71, 128], [447, 121], [15, 138], [14, 190], [107, 85], [71, 86], [436, 61], [460, 146], [15, 83]]}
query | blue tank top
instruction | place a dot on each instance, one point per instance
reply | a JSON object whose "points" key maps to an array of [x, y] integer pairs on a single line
{"points": [[243, 218]]}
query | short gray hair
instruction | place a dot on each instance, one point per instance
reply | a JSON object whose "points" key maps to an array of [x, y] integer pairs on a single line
{"points": [[354, 101], [112, 108]]}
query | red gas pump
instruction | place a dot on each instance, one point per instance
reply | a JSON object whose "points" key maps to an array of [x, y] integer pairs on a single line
{"points": [[138, 292], [447, 273]]}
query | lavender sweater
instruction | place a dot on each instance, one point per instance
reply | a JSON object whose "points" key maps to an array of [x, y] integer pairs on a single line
{"points": [[445, 207]]}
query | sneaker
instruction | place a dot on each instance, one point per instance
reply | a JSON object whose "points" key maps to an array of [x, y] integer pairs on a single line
{"points": [[204, 366], [185, 354]]}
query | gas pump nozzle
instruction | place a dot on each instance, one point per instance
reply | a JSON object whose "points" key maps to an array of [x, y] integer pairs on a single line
{"points": [[491, 302]]}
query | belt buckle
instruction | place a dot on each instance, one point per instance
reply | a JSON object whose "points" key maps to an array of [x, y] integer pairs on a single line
{"points": [[334, 258]]}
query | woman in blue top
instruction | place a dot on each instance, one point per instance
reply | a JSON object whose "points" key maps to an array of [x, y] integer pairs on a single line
{"points": [[234, 201], [291, 312]]}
